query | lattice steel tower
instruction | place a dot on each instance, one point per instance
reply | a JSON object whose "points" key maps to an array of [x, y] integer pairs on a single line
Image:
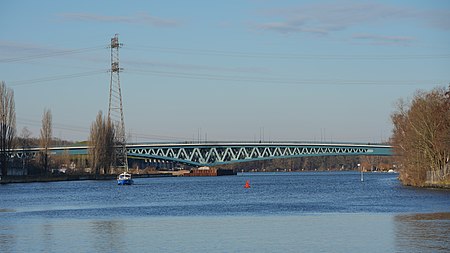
{"points": [[115, 110]]}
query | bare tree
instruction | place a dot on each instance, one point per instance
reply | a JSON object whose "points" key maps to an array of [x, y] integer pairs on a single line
{"points": [[46, 139], [7, 126], [25, 142], [421, 136], [101, 142]]}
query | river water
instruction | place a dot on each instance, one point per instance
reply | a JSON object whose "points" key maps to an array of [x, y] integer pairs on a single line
{"points": [[281, 212]]}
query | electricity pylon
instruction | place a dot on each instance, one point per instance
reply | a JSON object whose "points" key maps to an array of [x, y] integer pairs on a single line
{"points": [[115, 110]]}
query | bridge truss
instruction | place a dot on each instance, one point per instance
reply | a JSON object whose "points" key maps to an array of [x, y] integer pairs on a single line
{"points": [[217, 154], [212, 154]]}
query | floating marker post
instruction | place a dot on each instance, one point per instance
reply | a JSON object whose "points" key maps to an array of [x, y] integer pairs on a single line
{"points": [[361, 169]]}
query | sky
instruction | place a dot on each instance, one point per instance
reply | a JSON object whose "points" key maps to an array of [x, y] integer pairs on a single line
{"points": [[247, 70]]}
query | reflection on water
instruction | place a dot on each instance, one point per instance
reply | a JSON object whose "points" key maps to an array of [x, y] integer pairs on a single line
{"points": [[284, 212], [107, 235], [7, 238], [299, 233], [423, 232], [303, 233]]}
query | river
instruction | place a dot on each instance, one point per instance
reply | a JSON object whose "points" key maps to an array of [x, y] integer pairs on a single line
{"points": [[281, 212]]}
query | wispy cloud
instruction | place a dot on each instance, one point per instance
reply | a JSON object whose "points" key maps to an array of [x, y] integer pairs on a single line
{"points": [[139, 18], [293, 26], [437, 18], [384, 40], [327, 18]]}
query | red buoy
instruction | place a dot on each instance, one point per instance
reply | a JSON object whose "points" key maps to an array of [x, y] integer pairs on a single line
{"points": [[247, 184]]}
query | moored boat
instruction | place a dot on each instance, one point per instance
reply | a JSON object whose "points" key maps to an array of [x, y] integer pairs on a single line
{"points": [[124, 179]]}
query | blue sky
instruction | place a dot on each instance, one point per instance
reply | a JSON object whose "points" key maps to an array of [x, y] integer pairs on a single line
{"points": [[225, 70]]}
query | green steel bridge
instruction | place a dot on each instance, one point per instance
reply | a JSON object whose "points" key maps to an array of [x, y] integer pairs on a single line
{"points": [[217, 153]]}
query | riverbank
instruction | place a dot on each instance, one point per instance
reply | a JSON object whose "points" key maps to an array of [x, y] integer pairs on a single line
{"points": [[57, 178], [180, 173], [444, 185]]}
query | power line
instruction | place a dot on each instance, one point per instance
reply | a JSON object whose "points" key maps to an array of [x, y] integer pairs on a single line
{"points": [[86, 130], [51, 54], [239, 54], [248, 79], [279, 81], [231, 78], [54, 78], [57, 126], [158, 137], [288, 56]]}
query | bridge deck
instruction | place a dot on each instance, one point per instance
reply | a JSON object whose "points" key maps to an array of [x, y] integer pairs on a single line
{"points": [[216, 153]]}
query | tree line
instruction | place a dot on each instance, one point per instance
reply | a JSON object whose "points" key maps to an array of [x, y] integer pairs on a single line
{"points": [[421, 137], [101, 142], [322, 163]]}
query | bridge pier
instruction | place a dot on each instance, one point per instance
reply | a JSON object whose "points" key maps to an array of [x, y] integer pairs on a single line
{"points": [[158, 164]]}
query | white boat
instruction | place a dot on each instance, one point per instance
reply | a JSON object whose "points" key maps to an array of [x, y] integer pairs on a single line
{"points": [[124, 179]]}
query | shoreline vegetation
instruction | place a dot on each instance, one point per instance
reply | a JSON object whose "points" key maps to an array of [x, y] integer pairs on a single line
{"points": [[79, 171], [421, 138], [161, 174]]}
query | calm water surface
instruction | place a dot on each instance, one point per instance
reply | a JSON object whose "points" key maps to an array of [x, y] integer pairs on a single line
{"points": [[281, 212]]}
